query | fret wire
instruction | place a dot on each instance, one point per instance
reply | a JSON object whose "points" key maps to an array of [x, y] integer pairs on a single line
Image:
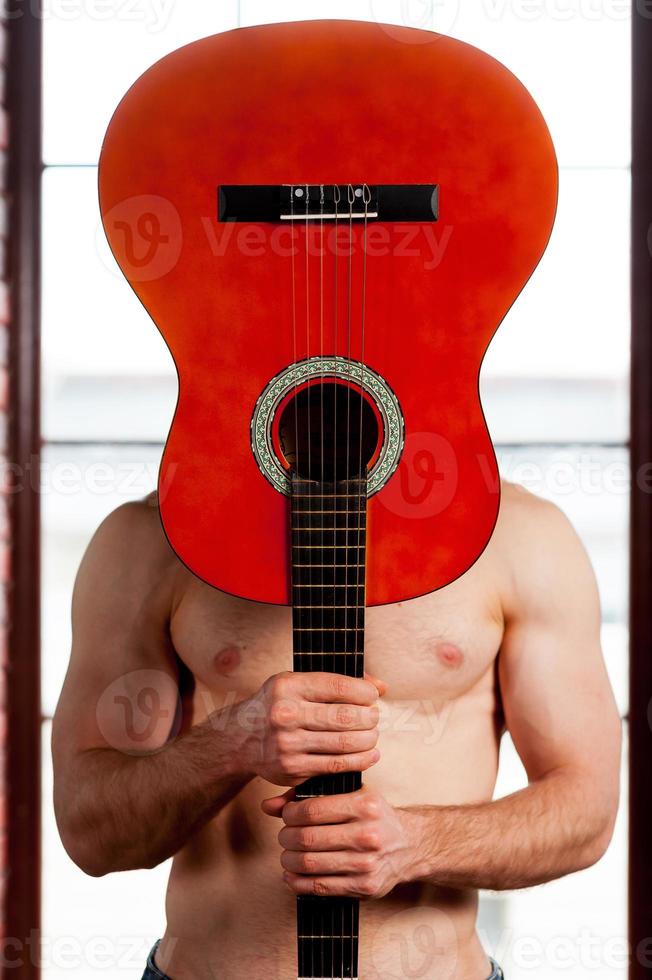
{"points": [[327, 496], [328, 547], [310, 512], [326, 653], [331, 530]]}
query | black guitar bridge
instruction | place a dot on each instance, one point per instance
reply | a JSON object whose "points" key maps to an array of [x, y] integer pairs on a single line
{"points": [[328, 202]]}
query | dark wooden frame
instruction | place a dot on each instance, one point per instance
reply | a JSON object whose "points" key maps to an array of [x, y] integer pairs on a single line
{"points": [[22, 911], [23, 768], [640, 726]]}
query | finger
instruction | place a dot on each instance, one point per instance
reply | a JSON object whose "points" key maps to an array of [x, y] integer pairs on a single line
{"points": [[325, 862], [322, 765], [274, 805], [339, 717], [333, 885], [338, 743], [333, 688], [376, 681], [321, 810], [338, 837]]}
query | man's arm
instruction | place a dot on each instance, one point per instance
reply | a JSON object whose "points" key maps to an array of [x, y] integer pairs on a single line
{"points": [[561, 714], [129, 789]]}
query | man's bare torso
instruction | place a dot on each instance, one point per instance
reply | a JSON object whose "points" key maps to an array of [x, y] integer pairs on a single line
{"points": [[227, 905], [517, 636]]}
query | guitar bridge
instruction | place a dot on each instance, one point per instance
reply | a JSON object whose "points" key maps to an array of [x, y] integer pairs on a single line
{"points": [[328, 202]]}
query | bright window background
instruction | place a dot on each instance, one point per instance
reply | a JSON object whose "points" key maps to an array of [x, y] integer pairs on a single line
{"points": [[554, 390]]}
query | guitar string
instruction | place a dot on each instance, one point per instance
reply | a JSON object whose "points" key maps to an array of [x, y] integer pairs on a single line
{"points": [[336, 569], [300, 912], [362, 501], [321, 475], [363, 486], [337, 198], [308, 422], [349, 778]]}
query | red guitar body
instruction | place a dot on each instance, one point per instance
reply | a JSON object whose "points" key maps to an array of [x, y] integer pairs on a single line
{"points": [[315, 103]]}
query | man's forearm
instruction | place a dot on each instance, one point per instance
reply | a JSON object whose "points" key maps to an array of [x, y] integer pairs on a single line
{"points": [[117, 811], [551, 828]]}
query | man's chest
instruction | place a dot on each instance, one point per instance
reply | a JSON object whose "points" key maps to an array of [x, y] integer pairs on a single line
{"points": [[436, 647]]}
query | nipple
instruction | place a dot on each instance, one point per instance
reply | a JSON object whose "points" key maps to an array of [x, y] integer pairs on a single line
{"points": [[450, 655], [227, 660]]}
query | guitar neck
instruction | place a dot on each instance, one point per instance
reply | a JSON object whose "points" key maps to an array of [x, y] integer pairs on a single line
{"points": [[328, 589]]}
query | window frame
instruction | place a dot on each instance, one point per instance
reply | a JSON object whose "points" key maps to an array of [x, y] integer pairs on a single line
{"points": [[640, 614], [22, 913], [23, 760]]}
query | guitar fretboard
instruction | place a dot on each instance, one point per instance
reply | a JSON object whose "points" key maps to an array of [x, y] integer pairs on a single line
{"points": [[328, 587]]}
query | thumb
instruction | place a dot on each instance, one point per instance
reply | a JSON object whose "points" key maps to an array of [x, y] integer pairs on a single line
{"points": [[273, 806], [376, 681]]}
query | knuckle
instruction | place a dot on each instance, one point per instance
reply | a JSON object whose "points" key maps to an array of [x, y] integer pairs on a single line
{"points": [[344, 715], [370, 691], [284, 742], [308, 863], [307, 839], [370, 806], [367, 885], [344, 742], [312, 810], [279, 682], [370, 840], [336, 764], [279, 714], [366, 863], [339, 685], [319, 887]]}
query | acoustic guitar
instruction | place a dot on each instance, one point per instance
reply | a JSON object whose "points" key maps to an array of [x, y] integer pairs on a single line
{"points": [[327, 221]]}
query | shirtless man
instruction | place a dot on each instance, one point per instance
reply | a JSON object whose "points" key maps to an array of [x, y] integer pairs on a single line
{"points": [[513, 644]]}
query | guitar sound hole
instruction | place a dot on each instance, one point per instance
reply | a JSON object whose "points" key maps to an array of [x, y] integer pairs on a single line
{"points": [[320, 429]]}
